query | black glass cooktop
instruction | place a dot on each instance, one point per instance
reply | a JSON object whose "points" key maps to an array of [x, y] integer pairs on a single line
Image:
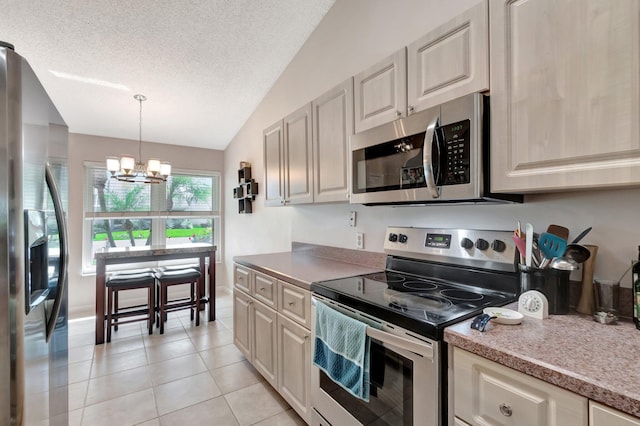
{"points": [[422, 305]]}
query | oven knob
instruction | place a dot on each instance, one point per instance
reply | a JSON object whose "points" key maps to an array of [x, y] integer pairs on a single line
{"points": [[498, 246], [393, 237], [482, 244], [402, 238], [466, 243]]}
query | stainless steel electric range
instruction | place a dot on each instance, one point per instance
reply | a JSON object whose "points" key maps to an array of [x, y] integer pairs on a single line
{"points": [[433, 278]]}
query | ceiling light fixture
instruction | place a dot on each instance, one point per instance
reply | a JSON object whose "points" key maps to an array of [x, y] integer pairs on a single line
{"points": [[127, 169]]}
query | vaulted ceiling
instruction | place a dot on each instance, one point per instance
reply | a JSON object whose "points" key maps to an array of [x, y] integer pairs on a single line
{"points": [[203, 65]]}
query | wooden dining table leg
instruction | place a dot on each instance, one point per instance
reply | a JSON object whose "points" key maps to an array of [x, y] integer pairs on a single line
{"points": [[202, 280], [101, 274], [212, 286]]}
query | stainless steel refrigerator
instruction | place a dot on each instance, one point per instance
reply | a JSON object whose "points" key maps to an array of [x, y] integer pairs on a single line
{"points": [[33, 250]]}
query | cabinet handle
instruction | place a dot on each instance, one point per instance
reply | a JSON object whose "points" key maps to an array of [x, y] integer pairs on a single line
{"points": [[411, 109], [250, 302], [506, 410], [291, 303], [261, 288], [398, 113], [306, 337]]}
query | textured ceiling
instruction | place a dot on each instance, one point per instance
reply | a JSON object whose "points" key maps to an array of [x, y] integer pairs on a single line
{"points": [[203, 65]]}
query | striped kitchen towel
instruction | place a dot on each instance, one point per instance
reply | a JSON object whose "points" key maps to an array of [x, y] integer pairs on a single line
{"points": [[342, 350]]}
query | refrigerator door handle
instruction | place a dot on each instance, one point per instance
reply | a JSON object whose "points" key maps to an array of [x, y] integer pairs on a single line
{"points": [[64, 249]]}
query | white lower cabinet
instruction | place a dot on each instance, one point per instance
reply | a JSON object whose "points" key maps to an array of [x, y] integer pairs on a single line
{"points": [[487, 393], [276, 342], [242, 329], [265, 354], [601, 415], [294, 361]]}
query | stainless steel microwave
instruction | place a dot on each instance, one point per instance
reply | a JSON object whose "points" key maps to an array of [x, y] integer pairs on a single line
{"points": [[439, 155]]}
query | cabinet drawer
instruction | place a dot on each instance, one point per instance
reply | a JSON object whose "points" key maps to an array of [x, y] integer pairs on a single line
{"points": [[601, 415], [264, 289], [242, 278], [488, 393], [295, 303]]}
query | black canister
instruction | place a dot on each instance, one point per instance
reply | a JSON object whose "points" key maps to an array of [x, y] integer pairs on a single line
{"points": [[553, 283]]}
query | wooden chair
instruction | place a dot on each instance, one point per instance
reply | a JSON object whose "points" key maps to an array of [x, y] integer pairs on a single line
{"points": [[173, 277], [130, 281]]}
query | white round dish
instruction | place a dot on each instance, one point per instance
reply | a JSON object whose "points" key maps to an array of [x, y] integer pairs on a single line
{"points": [[504, 316]]}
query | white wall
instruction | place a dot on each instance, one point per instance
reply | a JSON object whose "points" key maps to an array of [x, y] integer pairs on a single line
{"points": [[352, 36], [96, 148]]}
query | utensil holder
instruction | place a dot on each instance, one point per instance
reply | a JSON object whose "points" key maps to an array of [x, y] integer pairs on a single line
{"points": [[553, 283]]}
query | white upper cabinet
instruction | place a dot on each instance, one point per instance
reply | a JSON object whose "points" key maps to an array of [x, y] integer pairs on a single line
{"points": [[451, 61], [298, 187], [565, 94], [332, 127], [380, 92], [272, 140], [288, 159]]}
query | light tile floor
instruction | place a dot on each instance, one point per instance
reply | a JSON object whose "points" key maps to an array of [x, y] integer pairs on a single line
{"points": [[188, 375]]}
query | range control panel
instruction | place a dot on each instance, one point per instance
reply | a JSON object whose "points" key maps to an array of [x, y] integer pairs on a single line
{"points": [[488, 249]]}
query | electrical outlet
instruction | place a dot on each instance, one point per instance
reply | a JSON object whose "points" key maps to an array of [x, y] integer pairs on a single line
{"points": [[360, 240], [352, 219]]}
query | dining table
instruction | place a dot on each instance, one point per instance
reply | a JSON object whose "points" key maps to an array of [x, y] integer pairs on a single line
{"points": [[122, 255]]}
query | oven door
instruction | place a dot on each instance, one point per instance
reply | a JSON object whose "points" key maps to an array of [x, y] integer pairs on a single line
{"points": [[405, 376]]}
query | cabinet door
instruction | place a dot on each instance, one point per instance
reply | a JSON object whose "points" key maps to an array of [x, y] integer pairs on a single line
{"points": [[294, 366], [298, 157], [451, 61], [488, 393], [242, 323], [601, 415], [265, 341], [332, 127], [242, 278], [565, 99], [273, 165], [380, 92]]}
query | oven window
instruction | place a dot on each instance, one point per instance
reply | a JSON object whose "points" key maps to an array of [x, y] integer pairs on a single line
{"points": [[392, 165], [391, 394]]}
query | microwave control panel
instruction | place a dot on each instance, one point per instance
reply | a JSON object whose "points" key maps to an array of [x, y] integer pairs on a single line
{"points": [[457, 166]]}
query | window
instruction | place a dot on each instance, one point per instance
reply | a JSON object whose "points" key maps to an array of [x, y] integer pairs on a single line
{"points": [[119, 214]]}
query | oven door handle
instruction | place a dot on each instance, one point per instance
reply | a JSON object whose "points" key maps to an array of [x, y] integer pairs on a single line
{"points": [[427, 157], [424, 350]]}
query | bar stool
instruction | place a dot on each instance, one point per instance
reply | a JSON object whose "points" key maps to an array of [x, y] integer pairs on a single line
{"points": [[130, 281], [174, 277]]}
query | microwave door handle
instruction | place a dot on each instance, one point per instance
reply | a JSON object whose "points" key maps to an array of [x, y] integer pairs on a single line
{"points": [[427, 158], [423, 350]]}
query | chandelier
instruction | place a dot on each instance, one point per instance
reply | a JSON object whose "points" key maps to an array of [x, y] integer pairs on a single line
{"points": [[127, 169]]}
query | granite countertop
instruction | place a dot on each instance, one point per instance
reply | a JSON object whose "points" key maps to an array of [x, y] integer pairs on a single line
{"points": [[301, 268], [600, 362]]}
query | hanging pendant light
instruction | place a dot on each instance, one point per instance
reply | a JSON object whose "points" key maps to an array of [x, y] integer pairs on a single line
{"points": [[127, 169]]}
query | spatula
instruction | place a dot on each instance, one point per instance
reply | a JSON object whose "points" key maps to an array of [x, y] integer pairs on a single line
{"points": [[558, 230], [551, 246]]}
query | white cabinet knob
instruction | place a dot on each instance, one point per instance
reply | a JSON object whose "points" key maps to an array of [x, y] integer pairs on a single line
{"points": [[506, 410]]}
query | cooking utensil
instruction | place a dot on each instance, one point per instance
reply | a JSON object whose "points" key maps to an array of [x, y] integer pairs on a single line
{"points": [[551, 246], [528, 244], [563, 264], [558, 230], [577, 253], [581, 235], [521, 244]]}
